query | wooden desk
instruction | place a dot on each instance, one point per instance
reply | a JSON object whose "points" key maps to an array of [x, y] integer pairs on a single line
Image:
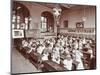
{"points": [[35, 56], [52, 66]]}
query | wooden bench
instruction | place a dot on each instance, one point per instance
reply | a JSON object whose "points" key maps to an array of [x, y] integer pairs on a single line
{"points": [[52, 66]]}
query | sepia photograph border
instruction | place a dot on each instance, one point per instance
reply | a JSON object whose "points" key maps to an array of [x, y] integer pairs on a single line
{"points": [[77, 26]]}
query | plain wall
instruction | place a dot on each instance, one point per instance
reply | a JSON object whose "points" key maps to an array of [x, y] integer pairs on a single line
{"points": [[74, 16]]}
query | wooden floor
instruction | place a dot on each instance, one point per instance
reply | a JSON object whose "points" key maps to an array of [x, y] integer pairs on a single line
{"points": [[20, 64]]}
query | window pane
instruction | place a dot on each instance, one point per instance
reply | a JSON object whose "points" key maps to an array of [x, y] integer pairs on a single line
{"points": [[45, 19], [42, 19], [43, 24]]}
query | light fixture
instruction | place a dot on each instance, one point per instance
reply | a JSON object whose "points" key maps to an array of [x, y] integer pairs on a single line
{"points": [[57, 12], [83, 19], [84, 15]]}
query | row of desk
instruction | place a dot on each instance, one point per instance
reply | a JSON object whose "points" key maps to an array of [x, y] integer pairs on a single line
{"points": [[48, 65]]}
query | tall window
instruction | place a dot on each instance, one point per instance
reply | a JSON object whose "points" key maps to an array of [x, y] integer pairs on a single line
{"points": [[20, 16], [43, 24], [47, 22]]}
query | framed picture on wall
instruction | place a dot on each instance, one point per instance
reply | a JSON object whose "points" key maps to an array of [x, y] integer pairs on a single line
{"points": [[65, 23], [17, 33], [80, 25]]}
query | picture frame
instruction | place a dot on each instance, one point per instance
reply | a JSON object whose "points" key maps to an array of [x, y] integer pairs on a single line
{"points": [[17, 33], [79, 24]]}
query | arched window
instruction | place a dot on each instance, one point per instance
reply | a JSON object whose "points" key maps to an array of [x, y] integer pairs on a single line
{"points": [[47, 22], [20, 16]]}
